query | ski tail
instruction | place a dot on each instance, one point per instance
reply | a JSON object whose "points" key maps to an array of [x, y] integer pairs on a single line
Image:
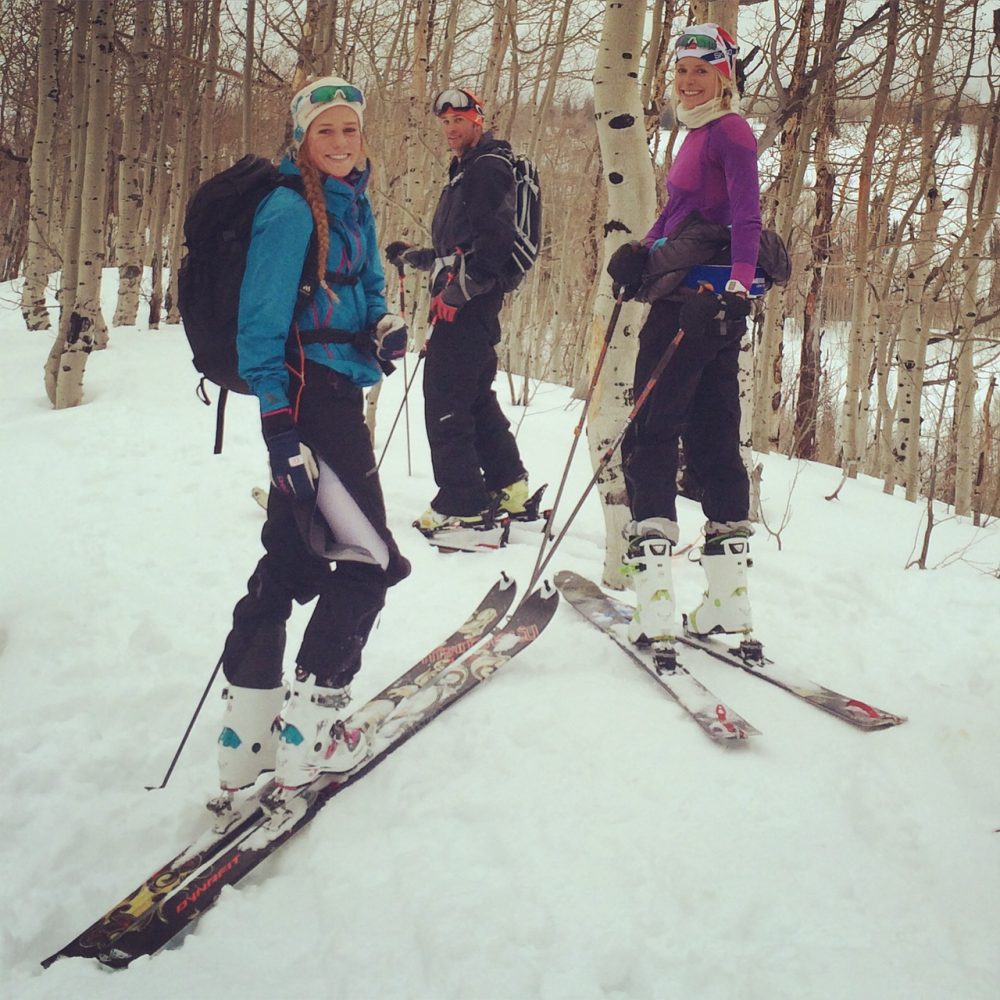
{"points": [[857, 713]]}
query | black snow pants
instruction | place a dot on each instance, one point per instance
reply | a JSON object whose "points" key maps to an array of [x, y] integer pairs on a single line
{"points": [[472, 449], [696, 400], [348, 594]]}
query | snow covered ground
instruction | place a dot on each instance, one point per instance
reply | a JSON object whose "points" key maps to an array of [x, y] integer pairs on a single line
{"points": [[564, 832]]}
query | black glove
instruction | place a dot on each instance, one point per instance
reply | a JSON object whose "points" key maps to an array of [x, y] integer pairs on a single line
{"points": [[396, 251], [389, 336], [626, 267], [293, 468], [702, 313]]}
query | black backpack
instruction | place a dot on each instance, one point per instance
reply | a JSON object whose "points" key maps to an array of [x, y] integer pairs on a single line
{"points": [[527, 216], [217, 229]]}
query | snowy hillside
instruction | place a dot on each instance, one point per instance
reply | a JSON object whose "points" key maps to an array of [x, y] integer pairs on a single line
{"points": [[565, 832]]}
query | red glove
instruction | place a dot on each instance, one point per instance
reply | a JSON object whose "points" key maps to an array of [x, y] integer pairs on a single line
{"points": [[440, 311]]}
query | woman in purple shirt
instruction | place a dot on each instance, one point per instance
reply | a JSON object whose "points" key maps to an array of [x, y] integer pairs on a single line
{"points": [[713, 175]]}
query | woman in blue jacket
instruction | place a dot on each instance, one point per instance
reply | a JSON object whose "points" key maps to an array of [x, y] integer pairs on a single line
{"points": [[325, 537]]}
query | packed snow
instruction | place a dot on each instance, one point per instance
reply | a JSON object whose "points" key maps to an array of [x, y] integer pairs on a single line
{"points": [[565, 831]]}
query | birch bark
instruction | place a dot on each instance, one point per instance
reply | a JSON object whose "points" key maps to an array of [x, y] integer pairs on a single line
{"points": [[986, 179], [911, 348], [40, 257], [180, 174], [861, 345], [81, 323], [631, 206], [810, 357], [128, 251]]}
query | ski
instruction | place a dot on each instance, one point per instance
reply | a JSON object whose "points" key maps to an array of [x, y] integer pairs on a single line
{"points": [[859, 714], [716, 718], [140, 906], [392, 717]]}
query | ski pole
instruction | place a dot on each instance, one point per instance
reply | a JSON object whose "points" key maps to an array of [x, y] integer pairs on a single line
{"points": [[610, 451], [406, 393], [187, 732], [402, 312], [612, 323]]}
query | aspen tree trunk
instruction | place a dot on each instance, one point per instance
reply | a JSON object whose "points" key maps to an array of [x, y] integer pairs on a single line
{"points": [[494, 61], [248, 57], [984, 451], [861, 345], [542, 107], [659, 56], [810, 357], [40, 258], [780, 202], [305, 64], [510, 46], [416, 179], [724, 12], [523, 333], [628, 175], [73, 205], [326, 58], [911, 348], [441, 69], [206, 161], [159, 195], [180, 173], [128, 251], [78, 331], [987, 179]]}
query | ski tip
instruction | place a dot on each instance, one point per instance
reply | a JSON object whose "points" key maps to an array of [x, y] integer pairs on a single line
{"points": [[505, 581], [546, 590]]}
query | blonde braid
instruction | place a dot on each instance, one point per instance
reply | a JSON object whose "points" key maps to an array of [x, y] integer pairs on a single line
{"points": [[317, 205]]}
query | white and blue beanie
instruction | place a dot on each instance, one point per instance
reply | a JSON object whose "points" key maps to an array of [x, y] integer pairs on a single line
{"points": [[318, 95]]}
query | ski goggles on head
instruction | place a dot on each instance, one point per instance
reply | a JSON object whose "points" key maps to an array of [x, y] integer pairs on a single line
{"points": [[331, 92], [687, 41], [454, 99]]}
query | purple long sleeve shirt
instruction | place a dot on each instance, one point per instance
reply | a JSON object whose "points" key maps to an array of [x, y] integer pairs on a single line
{"points": [[715, 172]]}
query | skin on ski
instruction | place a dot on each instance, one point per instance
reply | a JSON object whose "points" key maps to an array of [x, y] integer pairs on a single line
{"points": [[715, 718], [139, 907], [857, 713]]}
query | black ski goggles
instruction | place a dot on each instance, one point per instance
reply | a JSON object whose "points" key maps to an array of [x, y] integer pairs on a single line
{"points": [[454, 99]]}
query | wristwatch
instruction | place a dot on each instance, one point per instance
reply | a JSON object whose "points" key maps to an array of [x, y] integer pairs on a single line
{"points": [[736, 287]]}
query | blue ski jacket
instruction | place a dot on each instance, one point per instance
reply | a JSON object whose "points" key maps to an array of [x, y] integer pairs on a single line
{"points": [[282, 227]]}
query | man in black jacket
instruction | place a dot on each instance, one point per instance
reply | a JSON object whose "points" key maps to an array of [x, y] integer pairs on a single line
{"points": [[477, 466]]}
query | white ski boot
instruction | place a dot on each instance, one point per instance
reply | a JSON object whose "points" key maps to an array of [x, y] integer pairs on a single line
{"points": [[249, 738], [647, 565], [725, 606], [248, 744], [314, 739]]}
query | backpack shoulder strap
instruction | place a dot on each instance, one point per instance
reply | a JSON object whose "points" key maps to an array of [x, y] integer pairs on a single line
{"points": [[307, 280]]}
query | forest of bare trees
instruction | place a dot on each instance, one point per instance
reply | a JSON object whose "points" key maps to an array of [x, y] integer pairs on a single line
{"points": [[878, 126]]}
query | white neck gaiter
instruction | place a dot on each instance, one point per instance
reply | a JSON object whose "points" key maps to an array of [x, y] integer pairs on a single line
{"points": [[705, 113]]}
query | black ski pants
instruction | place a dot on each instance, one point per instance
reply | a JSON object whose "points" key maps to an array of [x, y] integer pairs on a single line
{"points": [[696, 400], [472, 449], [348, 594]]}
